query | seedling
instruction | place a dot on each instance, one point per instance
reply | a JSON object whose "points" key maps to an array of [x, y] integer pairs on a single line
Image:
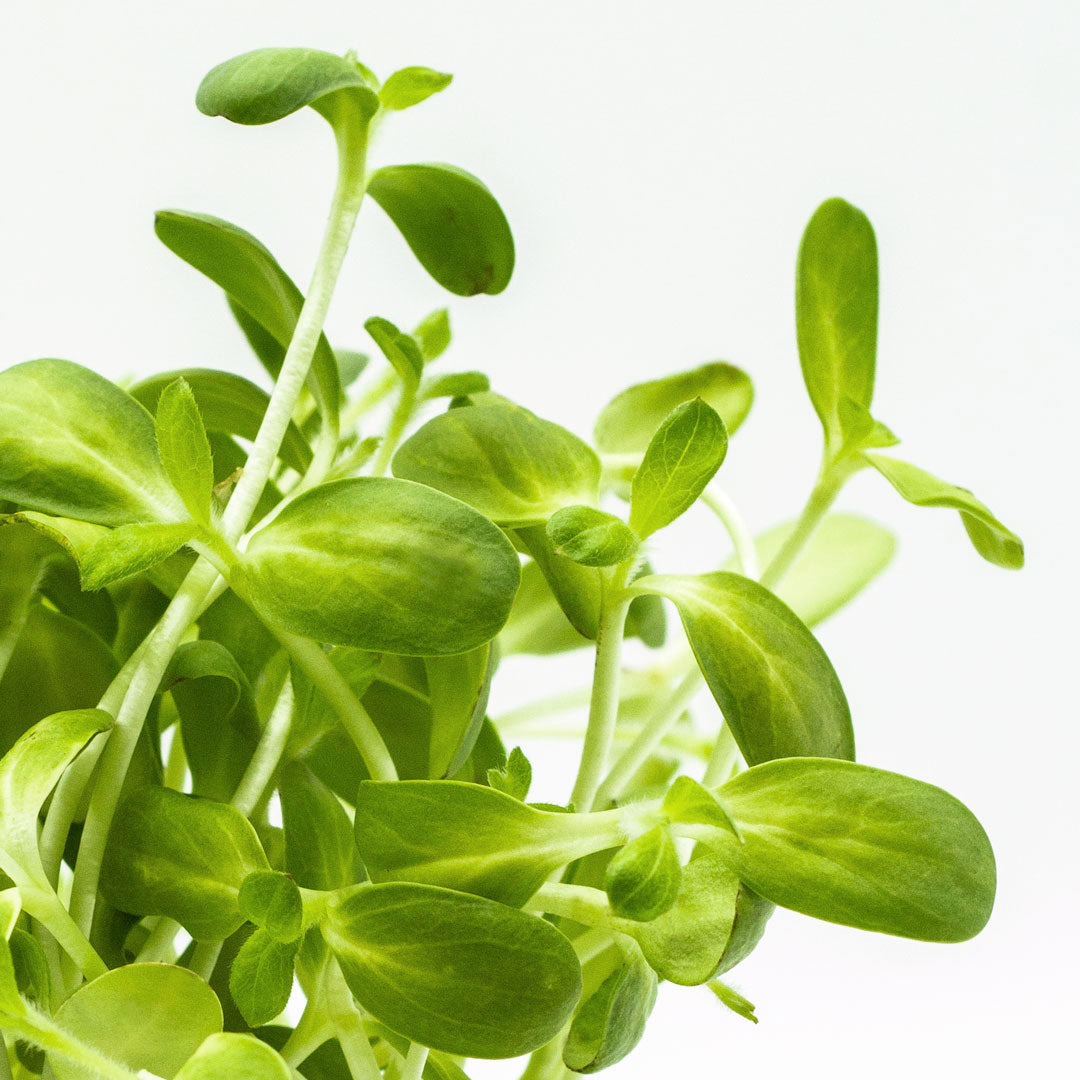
{"points": [[247, 642]]}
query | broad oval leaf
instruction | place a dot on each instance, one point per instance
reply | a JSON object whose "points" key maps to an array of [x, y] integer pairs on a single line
{"points": [[992, 540], [472, 838], [591, 537], [772, 680], [75, 445], [681, 459], [836, 310], [505, 461], [183, 857], [626, 425], [642, 880], [860, 846], [458, 690], [844, 554], [265, 85], [227, 403], [261, 977], [144, 1016], [28, 773], [238, 1057], [452, 223], [610, 1021], [454, 972], [383, 565], [253, 279], [411, 85]]}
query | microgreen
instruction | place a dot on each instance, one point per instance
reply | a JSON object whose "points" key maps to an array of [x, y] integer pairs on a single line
{"points": [[249, 635]]}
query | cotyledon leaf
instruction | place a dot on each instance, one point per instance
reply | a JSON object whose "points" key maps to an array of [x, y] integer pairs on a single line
{"points": [[235, 1056]]}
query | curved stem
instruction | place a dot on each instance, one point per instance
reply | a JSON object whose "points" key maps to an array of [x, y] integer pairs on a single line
{"points": [[47, 909], [348, 1025], [158, 947], [604, 706], [204, 958], [267, 754], [722, 505], [402, 411], [415, 1061], [311, 1031]]}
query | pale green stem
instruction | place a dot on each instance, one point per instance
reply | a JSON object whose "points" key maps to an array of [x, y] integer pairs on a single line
{"points": [[5, 1061], [370, 397], [311, 1031], [267, 754], [176, 764], [348, 1025], [415, 1061], [51, 913], [402, 411], [544, 707], [722, 505], [159, 946], [163, 640], [547, 1062], [579, 903], [592, 943], [722, 760], [604, 706], [340, 697], [648, 739], [204, 958]]}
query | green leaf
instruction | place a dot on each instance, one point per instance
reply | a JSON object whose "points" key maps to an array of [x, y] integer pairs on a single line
{"points": [[143, 1016], [642, 879], [131, 549], [180, 856], [265, 85], [576, 588], [433, 334], [860, 846], [57, 665], [472, 838], [229, 404], [683, 456], [447, 589], [271, 901], [591, 537], [75, 445], [836, 309], [454, 972], [261, 978], [503, 460], [514, 778], [24, 554], [452, 223], [626, 425], [733, 1000], [238, 1057], [219, 723], [772, 680], [252, 278], [184, 448], [844, 554], [611, 1021], [690, 803], [400, 349], [31, 968], [411, 85], [11, 1003], [28, 773], [458, 690], [992, 540], [457, 384], [319, 848]]}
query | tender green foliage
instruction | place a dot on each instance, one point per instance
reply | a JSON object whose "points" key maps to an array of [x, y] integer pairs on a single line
{"points": [[680, 460], [451, 221], [448, 588], [642, 880], [922, 867], [231, 610], [772, 680], [181, 856], [503, 460], [454, 972], [611, 1020], [836, 307], [591, 537], [629, 421]]}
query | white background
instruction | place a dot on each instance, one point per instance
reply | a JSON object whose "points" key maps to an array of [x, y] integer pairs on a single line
{"points": [[658, 163]]}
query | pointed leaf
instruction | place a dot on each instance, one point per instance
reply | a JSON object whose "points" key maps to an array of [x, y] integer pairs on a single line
{"points": [[503, 460], [452, 223], [271, 901], [514, 778], [681, 459], [992, 540], [184, 448], [591, 537], [628, 422], [836, 310], [252, 278], [433, 334], [454, 972], [458, 689], [131, 549], [576, 588], [733, 1000], [690, 803], [772, 680], [411, 85], [450, 583], [400, 349], [261, 978], [75, 445], [860, 846], [642, 880]]}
